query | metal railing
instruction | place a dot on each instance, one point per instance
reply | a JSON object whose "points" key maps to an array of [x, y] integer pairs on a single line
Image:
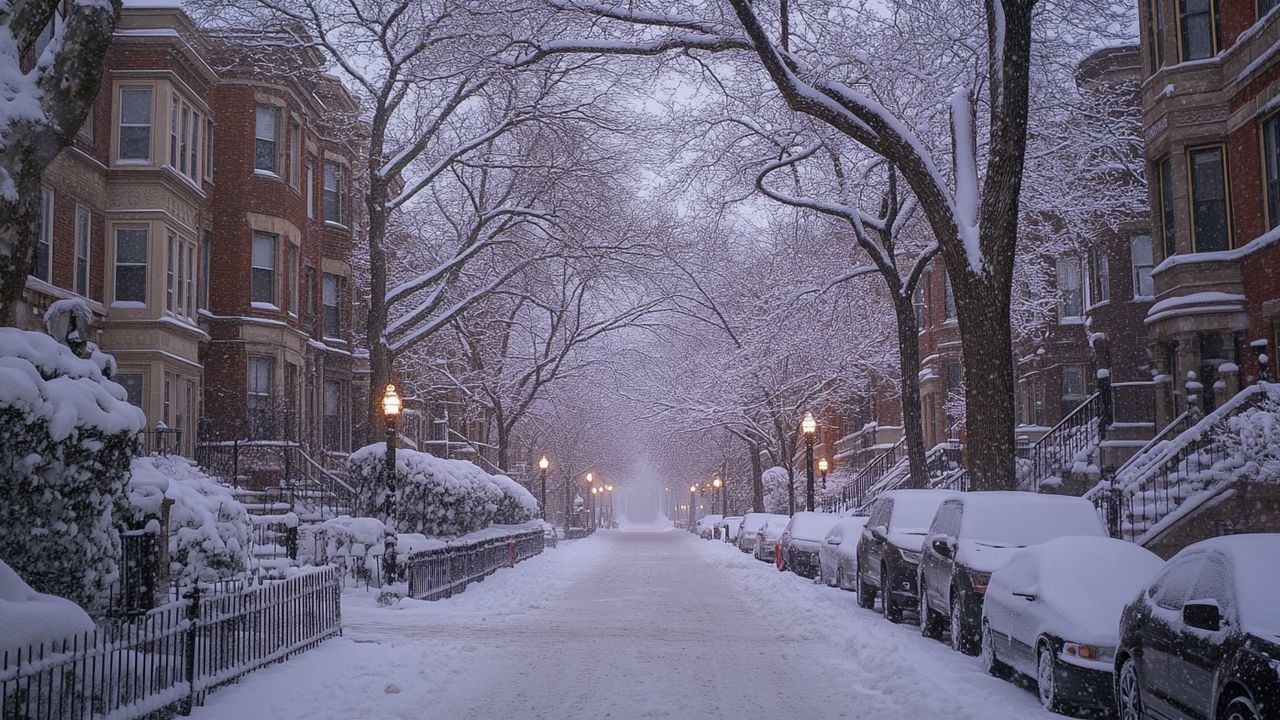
{"points": [[853, 492], [167, 660], [300, 478], [940, 461], [447, 571], [160, 440], [1154, 484], [1079, 432]]}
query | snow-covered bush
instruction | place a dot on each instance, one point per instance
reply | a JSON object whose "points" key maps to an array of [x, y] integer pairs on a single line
{"points": [[28, 617], [435, 496], [209, 530], [67, 435], [776, 497], [351, 544]]}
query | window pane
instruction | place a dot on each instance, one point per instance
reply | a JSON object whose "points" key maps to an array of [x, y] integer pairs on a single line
{"points": [[1165, 174], [44, 239], [264, 156], [132, 384], [332, 192], [1198, 24], [264, 263], [1069, 290], [264, 251], [1209, 200], [1271, 150], [1140, 252], [82, 252], [135, 106], [131, 245]]}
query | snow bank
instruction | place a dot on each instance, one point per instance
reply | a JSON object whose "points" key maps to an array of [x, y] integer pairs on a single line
{"points": [[436, 496], [209, 530], [67, 436], [28, 617]]}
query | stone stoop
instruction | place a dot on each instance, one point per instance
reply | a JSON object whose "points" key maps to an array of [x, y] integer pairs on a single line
{"points": [[1246, 507]]}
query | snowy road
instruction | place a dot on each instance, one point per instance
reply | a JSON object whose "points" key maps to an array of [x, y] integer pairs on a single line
{"points": [[627, 625]]}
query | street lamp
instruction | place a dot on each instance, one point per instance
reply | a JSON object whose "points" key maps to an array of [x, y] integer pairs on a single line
{"points": [[809, 427], [390, 413], [608, 508], [591, 509], [718, 485], [543, 464], [693, 503], [823, 467]]}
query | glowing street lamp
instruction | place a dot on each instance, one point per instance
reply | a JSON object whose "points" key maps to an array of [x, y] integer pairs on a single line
{"points": [[390, 413], [823, 467], [809, 427], [717, 484], [543, 464], [693, 502]]}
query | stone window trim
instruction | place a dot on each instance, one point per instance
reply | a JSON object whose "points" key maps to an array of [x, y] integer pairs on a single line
{"points": [[1189, 153]]}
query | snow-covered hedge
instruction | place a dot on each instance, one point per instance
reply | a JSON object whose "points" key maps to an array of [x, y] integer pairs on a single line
{"points": [[776, 495], [28, 617], [209, 530], [67, 436], [435, 496]]}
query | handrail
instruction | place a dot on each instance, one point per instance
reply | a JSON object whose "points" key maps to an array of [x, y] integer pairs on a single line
{"points": [[1174, 428], [1063, 440]]}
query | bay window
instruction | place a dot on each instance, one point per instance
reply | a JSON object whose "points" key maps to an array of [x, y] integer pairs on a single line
{"points": [[135, 124], [131, 265], [263, 271], [333, 210], [266, 124]]}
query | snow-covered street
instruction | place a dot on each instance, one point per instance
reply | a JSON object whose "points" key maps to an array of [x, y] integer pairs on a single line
{"points": [[639, 624]]}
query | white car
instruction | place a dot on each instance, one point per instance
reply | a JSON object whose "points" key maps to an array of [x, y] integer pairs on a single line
{"points": [[705, 525], [838, 554], [729, 528], [768, 535], [1052, 613], [751, 524]]}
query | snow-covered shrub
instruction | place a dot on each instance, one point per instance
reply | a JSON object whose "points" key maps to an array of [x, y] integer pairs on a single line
{"points": [[516, 505], [209, 529], [67, 435], [28, 617], [351, 544], [776, 497], [434, 496]]}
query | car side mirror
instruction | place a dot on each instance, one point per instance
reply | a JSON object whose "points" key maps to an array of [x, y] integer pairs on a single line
{"points": [[941, 545], [1202, 615], [834, 541], [880, 533], [1027, 593]]}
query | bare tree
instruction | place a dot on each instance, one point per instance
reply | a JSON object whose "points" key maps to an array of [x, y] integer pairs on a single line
{"points": [[41, 109]]}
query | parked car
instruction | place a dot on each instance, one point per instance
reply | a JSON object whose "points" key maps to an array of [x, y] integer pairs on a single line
{"points": [[1202, 640], [729, 528], [751, 523], [838, 554], [802, 539], [706, 526], [766, 548], [974, 533], [1053, 611], [889, 550]]}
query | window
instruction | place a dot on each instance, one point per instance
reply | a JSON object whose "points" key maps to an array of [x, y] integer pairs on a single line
{"points": [[193, 146], [44, 240], [1155, 33], [1210, 225], [955, 379], [264, 138], [131, 265], [135, 124], [295, 142], [332, 406], [331, 296], [311, 187], [173, 132], [169, 272], [184, 145], [1198, 22], [168, 399], [208, 149], [1140, 252], [309, 300], [191, 279], [86, 128], [1271, 166], [1070, 299], [1073, 382], [949, 297], [1099, 276], [332, 192], [258, 395], [132, 384], [291, 268], [206, 250], [83, 226], [1164, 206], [263, 272]]}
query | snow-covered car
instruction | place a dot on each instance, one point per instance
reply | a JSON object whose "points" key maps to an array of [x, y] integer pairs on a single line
{"points": [[767, 537], [1052, 613], [838, 554], [802, 539], [706, 525], [1202, 639], [729, 528], [751, 524], [975, 533], [889, 550]]}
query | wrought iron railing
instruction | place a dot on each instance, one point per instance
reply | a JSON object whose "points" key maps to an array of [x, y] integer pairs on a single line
{"points": [[852, 493], [160, 440], [940, 461], [1077, 433], [285, 464], [447, 571]]}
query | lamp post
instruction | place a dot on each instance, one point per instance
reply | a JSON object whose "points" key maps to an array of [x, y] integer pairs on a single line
{"points": [[809, 427], [608, 508], [693, 504], [543, 464], [594, 521], [718, 489], [591, 509], [390, 412], [823, 467]]}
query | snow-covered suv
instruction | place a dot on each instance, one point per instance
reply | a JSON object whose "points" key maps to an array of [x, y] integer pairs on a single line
{"points": [[889, 551]]}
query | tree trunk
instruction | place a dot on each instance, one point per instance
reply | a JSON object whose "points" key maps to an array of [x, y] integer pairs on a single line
{"points": [[757, 478], [380, 360], [909, 361], [988, 375], [19, 221]]}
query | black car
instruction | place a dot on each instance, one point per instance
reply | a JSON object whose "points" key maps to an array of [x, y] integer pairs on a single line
{"points": [[889, 551], [977, 532], [1202, 640]]}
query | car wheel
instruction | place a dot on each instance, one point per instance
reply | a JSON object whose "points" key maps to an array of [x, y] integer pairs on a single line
{"points": [[1046, 679], [1240, 708], [987, 654], [1129, 692], [962, 639], [866, 594], [892, 610], [931, 622]]}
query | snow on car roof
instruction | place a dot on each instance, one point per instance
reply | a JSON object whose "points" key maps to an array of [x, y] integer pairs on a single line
{"points": [[913, 509], [753, 521], [1018, 519], [1253, 563], [812, 525]]}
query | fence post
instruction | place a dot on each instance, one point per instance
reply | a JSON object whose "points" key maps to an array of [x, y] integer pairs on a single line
{"points": [[291, 542], [1115, 496], [235, 462], [189, 652], [1106, 398]]}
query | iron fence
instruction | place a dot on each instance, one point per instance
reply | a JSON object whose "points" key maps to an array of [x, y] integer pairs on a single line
{"points": [[447, 571], [169, 658], [1077, 433]]}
